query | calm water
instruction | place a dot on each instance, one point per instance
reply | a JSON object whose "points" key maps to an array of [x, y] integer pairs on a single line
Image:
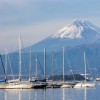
{"points": [[51, 94]]}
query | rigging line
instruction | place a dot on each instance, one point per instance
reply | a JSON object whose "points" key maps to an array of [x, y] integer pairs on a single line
{"points": [[85, 65], [24, 58], [36, 70], [89, 68], [40, 65], [10, 66], [30, 63], [14, 56], [6, 63], [70, 66], [55, 64], [3, 68], [52, 65]]}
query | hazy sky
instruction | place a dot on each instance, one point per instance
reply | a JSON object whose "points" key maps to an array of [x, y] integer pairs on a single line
{"points": [[34, 20]]}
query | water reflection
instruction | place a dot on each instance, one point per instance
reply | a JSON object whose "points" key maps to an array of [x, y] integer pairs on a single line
{"points": [[12, 95], [50, 94], [74, 94], [19, 95], [29, 98], [63, 98], [44, 94], [5, 96], [35, 97], [85, 94]]}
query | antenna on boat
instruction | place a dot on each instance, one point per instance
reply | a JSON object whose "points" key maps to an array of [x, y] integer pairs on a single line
{"points": [[6, 63], [85, 65], [52, 65], [44, 63], [19, 58], [30, 63], [63, 64], [36, 68]]}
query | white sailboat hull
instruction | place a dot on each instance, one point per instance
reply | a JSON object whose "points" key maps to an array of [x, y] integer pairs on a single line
{"points": [[19, 86], [3, 85], [84, 85], [67, 85]]}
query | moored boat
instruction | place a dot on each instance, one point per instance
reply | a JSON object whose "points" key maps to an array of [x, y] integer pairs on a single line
{"points": [[85, 83], [19, 85], [66, 84]]}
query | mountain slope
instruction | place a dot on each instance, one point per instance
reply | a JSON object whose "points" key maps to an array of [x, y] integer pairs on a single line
{"points": [[74, 55], [76, 37], [78, 29], [76, 33]]}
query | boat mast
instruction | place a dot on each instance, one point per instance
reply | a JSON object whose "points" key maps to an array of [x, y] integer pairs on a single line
{"points": [[85, 65], [36, 68], [20, 58], [52, 66], [44, 63], [30, 64], [63, 64], [6, 63]]}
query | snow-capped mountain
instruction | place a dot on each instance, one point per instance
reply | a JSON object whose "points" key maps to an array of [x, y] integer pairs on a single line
{"points": [[76, 37], [76, 30], [76, 33]]}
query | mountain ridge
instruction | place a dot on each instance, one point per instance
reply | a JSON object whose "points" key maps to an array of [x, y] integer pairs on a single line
{"points": [[74, 49], [87, 33], [76, 29]]}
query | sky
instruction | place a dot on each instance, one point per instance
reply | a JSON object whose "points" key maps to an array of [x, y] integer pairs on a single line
{"points": [[34, 20]]}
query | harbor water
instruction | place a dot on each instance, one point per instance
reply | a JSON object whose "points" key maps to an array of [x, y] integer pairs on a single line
{"points": [[51, 94]]}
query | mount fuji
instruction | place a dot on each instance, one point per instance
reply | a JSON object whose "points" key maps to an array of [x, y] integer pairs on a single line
{"points": [[76, 33], [78, 29], [77, 37]]}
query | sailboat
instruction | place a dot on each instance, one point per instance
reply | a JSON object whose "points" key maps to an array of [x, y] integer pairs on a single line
{"points": [[66, 84], [36, 82], [52, 83], [3, 83], [6, 65], [85, 84], [18, 83]]}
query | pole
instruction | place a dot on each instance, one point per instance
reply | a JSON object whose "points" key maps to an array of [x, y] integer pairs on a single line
{"points": [[52, 66], [19, 57], [63, 64], [36, 68], [45, 63], [85, 65]]}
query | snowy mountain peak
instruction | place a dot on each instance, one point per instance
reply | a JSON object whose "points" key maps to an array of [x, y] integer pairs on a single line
{"points": [[83, 23], [76, 29], [78, 22]]}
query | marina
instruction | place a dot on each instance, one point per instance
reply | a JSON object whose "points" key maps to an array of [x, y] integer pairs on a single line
{"points": [[44, 83], [50, 50], [51, 94]]}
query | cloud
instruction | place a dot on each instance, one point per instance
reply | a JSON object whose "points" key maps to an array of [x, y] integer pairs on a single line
{"points": [[30, 34], [19, 12], [37, 19]]}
